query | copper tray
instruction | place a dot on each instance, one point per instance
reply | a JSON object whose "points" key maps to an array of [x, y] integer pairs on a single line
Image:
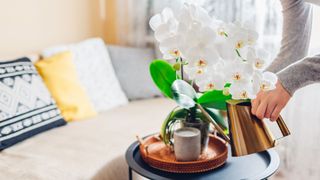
{"points": [[155, 153]]}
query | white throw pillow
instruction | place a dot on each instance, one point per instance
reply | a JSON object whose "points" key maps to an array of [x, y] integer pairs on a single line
{"points": [[95, 72]]}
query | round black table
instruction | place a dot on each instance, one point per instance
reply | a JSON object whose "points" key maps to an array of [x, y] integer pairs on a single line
{"points": [[255, 166]]}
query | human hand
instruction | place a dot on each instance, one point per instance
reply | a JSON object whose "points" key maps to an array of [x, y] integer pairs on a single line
{"points": [[270, 103]]}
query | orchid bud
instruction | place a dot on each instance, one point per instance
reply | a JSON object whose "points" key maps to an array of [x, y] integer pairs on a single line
{"points": [[177, 66]]}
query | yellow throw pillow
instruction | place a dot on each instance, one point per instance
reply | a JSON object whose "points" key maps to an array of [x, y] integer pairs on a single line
{"points": [[59, 74]]}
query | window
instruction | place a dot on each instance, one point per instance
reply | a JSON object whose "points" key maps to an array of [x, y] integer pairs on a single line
{"points": [[315, 36]]}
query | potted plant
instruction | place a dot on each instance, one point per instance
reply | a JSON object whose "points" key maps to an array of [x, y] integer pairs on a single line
{"points": [[211, 62]]}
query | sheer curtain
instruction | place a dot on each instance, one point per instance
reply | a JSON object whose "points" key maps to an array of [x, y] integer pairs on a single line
{"points": [[300, 153], [265, 15]]}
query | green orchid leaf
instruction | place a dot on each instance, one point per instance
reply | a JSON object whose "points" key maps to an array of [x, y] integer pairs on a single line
{"points": [[214, 114], [180, 114], [173, 116], [163, 130], [214, 99], [163, 75], [217, 117], [183, 94], [227, 85]]}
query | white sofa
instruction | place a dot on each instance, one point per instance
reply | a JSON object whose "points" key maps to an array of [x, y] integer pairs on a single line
{"points": [[94, 148], [88, 149]]}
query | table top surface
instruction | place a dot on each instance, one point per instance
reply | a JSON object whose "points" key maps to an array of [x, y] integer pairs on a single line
{"points": [[255, 166]]}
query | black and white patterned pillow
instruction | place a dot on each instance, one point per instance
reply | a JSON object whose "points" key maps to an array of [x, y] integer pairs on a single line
{"points": [[26, 106]]}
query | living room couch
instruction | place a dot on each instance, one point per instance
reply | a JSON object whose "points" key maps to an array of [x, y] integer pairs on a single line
{"points": [[90, 148]]}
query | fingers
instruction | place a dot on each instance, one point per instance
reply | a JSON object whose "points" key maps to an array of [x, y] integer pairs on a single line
{"points": [[255, 103], [276, 112], [262, 109], [269, 109], [271, 105]]}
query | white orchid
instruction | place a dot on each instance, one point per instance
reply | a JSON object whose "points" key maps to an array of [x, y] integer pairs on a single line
{"points": [[239, 37], [208, 78], [237, 71], [171, 47], [239, 74], [257, 57], [242, 90], [195, 72], [248, 88], [202, 52], [212, 52], [242, 36], [167, 34], [189, 31], [164, 24], [212, 81], [264, 81], [191, 13]]}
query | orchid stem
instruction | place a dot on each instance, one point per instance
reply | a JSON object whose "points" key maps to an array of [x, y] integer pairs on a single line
{"points": [[181, 69], [177, 76], [212, 121], [238, 53]]}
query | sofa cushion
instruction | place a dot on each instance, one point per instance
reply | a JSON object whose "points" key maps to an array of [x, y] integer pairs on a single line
{"points": [[26, 107], [92, 149], [132, 68], [59, 74], [95, 72]]}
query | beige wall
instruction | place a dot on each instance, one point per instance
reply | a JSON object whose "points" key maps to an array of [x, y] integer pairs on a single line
{"points": [[27, 26]]}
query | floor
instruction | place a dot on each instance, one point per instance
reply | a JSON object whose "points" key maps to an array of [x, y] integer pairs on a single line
{"points": [[300, 152]]}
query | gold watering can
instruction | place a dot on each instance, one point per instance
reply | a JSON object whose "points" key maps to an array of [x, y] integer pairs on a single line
{"points": [[248, 134]]}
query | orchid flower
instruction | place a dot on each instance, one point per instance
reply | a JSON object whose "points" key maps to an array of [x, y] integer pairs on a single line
{"points": [[264, 81], [247, 89], [194, 72], [242, 90], [193, 13], [212, 81], [257, 58], [237, 71], [164, 24], [240, 37], [171, 47], [166, 33], [213, 53], [202, 52]]}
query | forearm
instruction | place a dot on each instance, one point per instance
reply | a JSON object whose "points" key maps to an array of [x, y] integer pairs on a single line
{"points": [[297, 22], [300, 74]]}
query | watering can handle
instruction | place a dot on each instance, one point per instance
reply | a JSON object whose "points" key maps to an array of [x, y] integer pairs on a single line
{"points": [[219, 129], [283, 127]]}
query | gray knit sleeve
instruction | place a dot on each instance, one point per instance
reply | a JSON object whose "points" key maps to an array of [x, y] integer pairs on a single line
{"points": [[300, 74], [296, 31], [297, 23]]}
